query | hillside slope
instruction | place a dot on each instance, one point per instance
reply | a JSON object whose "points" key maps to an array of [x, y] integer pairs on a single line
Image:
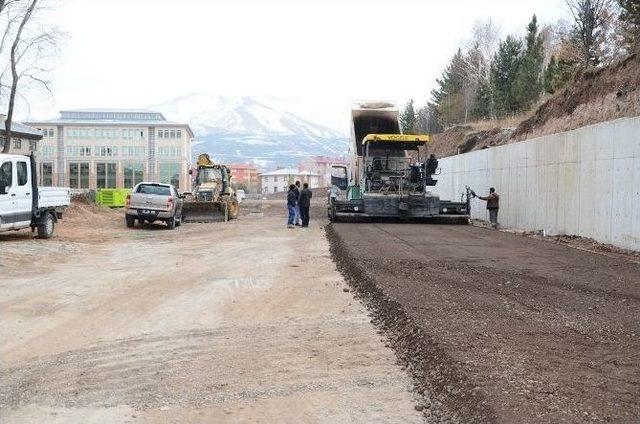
{"points": [[598, 95]]}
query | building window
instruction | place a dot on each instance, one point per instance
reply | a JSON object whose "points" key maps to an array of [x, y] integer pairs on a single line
{"points": [[106, 175], [133, 174], [133, 151], [48, 151], [275, 189], [17, 144], [51, 133], [160, 134], [85, 151], [178, 133], [167, 151], [106, 151], [46, 174], [79, 174], [172, 134], [170, 174], [33, 146]]}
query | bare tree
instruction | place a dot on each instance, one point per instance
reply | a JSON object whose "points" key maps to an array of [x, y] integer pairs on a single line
{"points": [[589, 18], [29, 49]]}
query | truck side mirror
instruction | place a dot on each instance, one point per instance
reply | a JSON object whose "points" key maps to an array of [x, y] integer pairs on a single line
{"points": [[5, 189]]}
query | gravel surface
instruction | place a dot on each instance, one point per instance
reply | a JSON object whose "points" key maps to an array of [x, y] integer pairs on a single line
{"points": [[496, 327]]}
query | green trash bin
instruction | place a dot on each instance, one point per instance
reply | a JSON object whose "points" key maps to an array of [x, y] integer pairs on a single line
{"points": [[112, 197]]}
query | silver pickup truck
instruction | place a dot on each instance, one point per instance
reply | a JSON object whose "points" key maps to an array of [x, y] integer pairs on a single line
{"points": [[23, 203], [153, 202]]}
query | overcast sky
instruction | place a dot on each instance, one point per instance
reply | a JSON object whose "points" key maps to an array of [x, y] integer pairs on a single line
{"points": [[135, 53]]}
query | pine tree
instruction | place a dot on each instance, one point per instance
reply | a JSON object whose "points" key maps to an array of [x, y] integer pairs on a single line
{"points": [[448, 96], [548, 80], [504, 72], [408, 119], [630, 17], [630, 11], [528, 84], [482, 108]]}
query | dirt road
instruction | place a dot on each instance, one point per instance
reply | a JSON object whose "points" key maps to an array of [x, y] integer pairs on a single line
{"points": [[502, 328], [239, 322]]}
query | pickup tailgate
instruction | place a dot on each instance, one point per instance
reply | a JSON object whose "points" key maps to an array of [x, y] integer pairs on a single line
{"points": [[152, 202], [53, 197]]}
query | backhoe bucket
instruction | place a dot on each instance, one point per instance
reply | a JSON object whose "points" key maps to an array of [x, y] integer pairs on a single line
{"points": [[203, 211]]}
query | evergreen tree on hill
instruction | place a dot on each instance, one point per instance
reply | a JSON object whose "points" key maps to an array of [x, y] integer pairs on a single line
{"points": [[408, 119], [448, 96], [528, 84], [504, 72]]}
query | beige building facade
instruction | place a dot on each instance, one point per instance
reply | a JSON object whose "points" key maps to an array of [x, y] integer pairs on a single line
{"points": [[91, 149], [279, 180]]}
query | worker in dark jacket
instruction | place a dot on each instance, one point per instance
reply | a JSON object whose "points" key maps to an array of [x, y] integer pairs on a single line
{"points": [[493, 204], [292, 203], [305, 204]]}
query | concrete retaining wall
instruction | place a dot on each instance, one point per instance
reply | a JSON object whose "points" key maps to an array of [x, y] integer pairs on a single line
{"points": [[583, 182]]}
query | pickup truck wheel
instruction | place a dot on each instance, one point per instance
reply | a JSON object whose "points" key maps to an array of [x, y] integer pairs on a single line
{"points": [[131, 221], [171, 222], [46, 226]]}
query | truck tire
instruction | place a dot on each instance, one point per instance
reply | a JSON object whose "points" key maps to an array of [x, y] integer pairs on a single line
{"points": [[131, 221], [171, 223], [46, 226]]}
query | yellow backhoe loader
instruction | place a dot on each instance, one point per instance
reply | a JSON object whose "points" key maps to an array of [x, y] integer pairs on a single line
{"points": [[212, 198]]}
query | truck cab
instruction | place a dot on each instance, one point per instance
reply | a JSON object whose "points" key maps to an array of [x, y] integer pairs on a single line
{"points": [[22, 203]]}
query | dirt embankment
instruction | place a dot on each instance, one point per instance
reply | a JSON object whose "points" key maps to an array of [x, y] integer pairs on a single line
{"points": [[595, 96]]}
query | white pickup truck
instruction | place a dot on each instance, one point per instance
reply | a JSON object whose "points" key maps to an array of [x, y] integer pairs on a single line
{"points": [[25, 205]]}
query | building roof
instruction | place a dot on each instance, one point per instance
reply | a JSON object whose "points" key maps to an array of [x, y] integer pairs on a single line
{"points": [[98, 117], [288, 171], [21, 130], [112, 114]]}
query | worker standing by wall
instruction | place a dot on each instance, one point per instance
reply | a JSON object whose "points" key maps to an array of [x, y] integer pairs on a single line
{"points": [[493, 205]]}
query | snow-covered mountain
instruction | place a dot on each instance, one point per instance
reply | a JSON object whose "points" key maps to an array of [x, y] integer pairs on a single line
{"points": [[267, 131]]}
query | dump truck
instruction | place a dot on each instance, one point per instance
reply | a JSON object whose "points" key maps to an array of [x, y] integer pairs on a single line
{"points": [[386, 177], [213, 198]]}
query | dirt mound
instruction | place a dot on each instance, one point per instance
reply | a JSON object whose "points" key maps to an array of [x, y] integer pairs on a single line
{"points": [[465, 138], [595, 96]]}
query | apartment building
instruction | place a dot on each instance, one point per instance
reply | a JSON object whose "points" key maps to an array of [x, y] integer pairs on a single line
{"points": [[114, 148], [279, 180], [245, 175], [24, 139]]}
